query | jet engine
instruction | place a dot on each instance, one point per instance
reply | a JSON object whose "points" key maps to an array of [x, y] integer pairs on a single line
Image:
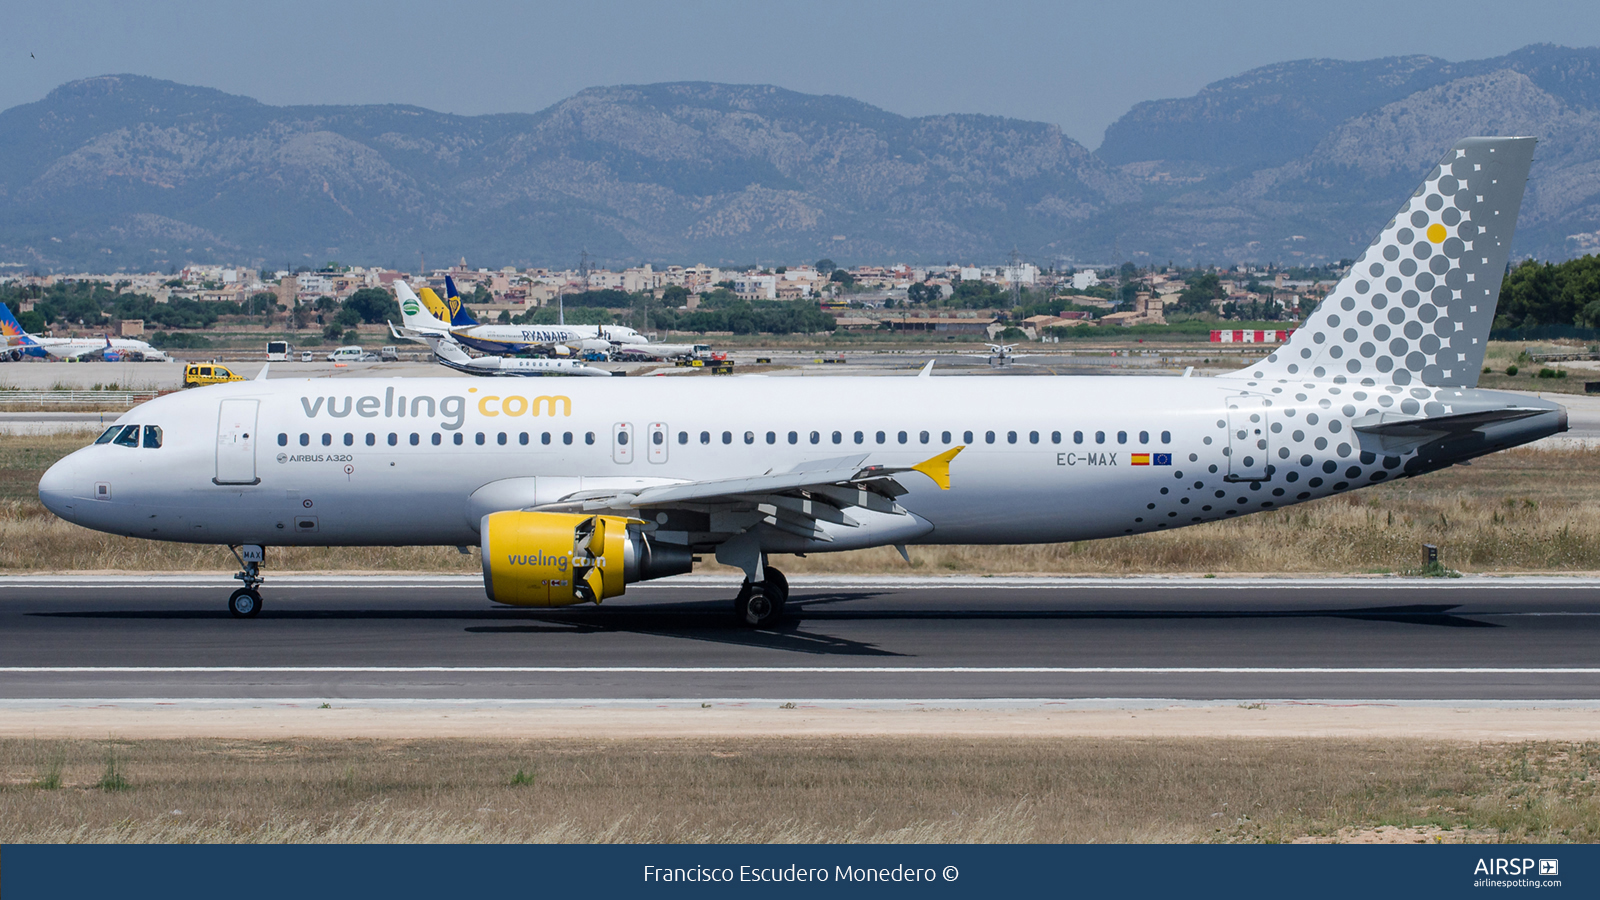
{"points": [[558, 559]]}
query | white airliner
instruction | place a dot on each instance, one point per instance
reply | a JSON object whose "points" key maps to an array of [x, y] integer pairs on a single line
{"points": [[574, 489], [20, 343], [422, 318], [450, 355]]}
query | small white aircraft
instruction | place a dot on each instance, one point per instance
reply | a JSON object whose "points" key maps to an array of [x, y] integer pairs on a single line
{"points": [[450, 355], [20, 343], [582, 486], [425, 315]]}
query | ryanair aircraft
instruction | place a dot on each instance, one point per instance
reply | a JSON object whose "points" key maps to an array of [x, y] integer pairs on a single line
{"points": [[578, 488], [427, 317]]}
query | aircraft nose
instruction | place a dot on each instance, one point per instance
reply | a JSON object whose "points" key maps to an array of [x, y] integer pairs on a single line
{"points": [[55, 488]]}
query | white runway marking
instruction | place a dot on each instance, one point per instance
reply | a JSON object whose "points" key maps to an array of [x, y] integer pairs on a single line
{"points": [[805, 670]]}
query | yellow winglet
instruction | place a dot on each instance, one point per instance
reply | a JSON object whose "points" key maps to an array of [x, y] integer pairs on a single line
{"points": [[938, 468]]}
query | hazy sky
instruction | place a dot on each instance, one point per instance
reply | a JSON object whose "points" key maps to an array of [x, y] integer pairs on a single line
{"points": [[1079, 65]]}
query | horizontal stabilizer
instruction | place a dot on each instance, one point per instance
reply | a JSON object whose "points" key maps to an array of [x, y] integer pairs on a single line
{"points": [[1399, 425]]}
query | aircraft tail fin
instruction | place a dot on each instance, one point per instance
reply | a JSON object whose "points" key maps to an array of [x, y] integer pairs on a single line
{"points": [[11, 329], [459, 317], [1417, 306], [414, 312], [449, 350]]}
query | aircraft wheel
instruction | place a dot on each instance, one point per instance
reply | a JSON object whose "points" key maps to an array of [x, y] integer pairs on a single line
{"points": [[244, 604], [760, 604]]}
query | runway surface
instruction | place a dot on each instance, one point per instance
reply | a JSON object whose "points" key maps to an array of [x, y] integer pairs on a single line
{"points": [[874, 640]]}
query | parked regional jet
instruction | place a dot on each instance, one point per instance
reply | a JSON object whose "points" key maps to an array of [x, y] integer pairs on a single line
{"points": [[576, 490], [425, 315], [450, 355], [20, 343]]}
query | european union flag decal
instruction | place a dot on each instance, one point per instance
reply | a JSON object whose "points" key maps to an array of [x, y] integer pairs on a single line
{"points": [[1161, 459]]}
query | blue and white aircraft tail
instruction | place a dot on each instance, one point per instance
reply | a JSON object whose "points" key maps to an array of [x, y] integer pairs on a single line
{"points": [[459, 317]]}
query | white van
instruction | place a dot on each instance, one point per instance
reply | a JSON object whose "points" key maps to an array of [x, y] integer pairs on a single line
{"points": [[347, 354]]}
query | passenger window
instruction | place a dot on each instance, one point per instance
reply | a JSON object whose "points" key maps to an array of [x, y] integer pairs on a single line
{"points": [[1166, 437], [1144, 437], [1077, 437], [923, 436], [816, 437], [349, 439], [458, 438], [545, 439], [283, 439], [902, 436], [881, 437], [966, 437], [683, 437], [415, 439], [479, 439], [622, 439], [394, 439], [129, 436], [838, 438], [327, 439], [1122, 437], [372, 439], [109, 433], [152, 437], [1011, 437], [749, 437], [705, 437], [437, 438], [727, 437], [944, 437], [1099, 437], [1055, 437], [305, 439], [501, 438], [1033, 437], [656, 438], [794, 437], [772, 437], [988, 437], [523, 438], [588, 437], [860, 437]]}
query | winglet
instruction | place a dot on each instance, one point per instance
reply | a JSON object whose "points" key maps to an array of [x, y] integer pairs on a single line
{"points": [[927, 370], [938, 468], [262, 375]]}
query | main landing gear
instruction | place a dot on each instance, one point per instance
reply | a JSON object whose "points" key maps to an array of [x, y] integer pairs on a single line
{"points": [[245, 603], [760, 603]]}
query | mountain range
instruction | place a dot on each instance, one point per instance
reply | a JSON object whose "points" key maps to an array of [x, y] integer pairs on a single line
{"points": [[1294, 162]]}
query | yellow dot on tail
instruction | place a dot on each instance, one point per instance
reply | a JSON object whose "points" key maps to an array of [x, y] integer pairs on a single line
{"points": [[1436, 233]]}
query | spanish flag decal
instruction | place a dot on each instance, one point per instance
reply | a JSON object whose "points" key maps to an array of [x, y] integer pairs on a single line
{"points": [[1141, 459]]}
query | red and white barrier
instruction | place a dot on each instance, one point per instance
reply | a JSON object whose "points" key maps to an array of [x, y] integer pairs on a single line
{"points": [[1250, 337]]}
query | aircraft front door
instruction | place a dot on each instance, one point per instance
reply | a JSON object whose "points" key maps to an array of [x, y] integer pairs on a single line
{"points": [[622, 443], [1247, 439], [236, 442]]}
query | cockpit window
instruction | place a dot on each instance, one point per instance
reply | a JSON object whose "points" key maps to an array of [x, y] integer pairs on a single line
{"points": [[152, 437], [109, 434], [129, 436]]}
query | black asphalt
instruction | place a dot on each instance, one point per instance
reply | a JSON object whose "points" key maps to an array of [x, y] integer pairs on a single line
{"points": [[885, 639]]}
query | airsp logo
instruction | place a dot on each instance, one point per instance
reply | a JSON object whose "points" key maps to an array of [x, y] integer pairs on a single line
{"points": [[411, 307], [283, 458]]}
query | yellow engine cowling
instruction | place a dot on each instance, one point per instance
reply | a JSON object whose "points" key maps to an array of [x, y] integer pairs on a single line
{"points": [[558, 559]]}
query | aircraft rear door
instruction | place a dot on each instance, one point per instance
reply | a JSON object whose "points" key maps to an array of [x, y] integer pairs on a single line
{"points": [[236, 442], [658, 442], [1247, 438], [622, 443]]}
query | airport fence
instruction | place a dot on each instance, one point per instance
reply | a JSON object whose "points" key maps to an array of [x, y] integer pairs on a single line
{"points": [[77, 398]]}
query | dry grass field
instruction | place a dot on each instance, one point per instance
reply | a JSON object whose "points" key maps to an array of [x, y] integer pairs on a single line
{"points": [[1520, 511], [860, 790]]}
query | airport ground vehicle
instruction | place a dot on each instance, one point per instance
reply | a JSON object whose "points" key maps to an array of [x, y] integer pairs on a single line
{"points": [[351, 353], [388, 354], [200, 374], [278, 350], [573, 492], [307, 356]]}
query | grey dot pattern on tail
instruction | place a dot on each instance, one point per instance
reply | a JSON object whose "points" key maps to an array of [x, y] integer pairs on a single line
{"points": [[1417, 305]]}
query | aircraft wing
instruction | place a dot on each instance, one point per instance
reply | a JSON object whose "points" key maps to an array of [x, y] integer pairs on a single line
{"points": [[793, 501]]}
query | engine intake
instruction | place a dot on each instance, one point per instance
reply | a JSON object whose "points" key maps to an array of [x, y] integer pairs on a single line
{"points": [[558, 559]]}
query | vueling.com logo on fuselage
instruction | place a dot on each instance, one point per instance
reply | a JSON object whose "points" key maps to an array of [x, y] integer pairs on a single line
{"points": [[453, 409], [536, 559]]}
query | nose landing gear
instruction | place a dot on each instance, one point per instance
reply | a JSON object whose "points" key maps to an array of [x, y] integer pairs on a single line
{"points": [[245, 603]]}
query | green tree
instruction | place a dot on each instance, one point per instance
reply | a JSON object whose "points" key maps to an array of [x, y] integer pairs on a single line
{"points": [[924, 293], [1203, 288], [825, 265], [373, 306]]}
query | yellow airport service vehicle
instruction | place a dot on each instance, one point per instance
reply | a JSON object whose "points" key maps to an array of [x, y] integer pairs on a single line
{"points": [[198, 374]]}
